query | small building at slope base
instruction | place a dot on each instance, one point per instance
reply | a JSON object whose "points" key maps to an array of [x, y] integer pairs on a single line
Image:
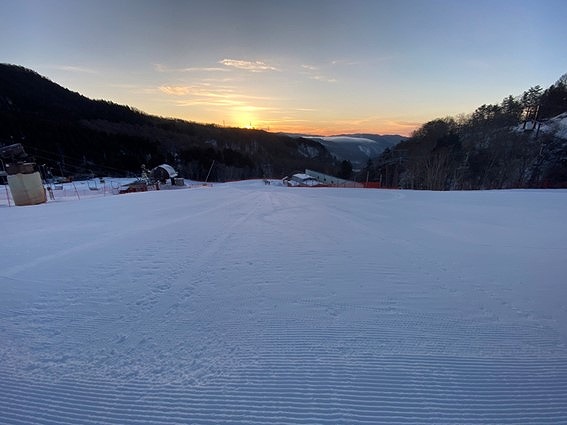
{"points": [[23, 177]]}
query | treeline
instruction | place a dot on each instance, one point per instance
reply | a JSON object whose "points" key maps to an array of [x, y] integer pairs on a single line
{"points": [[488, 149], [74, 135]]}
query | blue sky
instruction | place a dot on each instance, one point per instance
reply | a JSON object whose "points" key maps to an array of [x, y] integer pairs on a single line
{"points": [[317, 66]]}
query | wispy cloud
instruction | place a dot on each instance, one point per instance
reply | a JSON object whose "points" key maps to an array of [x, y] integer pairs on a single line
{"points": [[175, 90], [309, 67], [252, 66], [163, 68], [323, 78], [218, 96], [252, 108], [204, 69], [78, 69], [209, 102], [314, 73], [344, 62]]}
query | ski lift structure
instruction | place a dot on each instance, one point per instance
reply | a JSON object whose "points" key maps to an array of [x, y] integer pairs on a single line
{"points": [[93, 182], [531, 120]]}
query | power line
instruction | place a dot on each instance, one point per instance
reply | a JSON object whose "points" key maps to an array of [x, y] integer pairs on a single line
{"points": [[70, 161]]}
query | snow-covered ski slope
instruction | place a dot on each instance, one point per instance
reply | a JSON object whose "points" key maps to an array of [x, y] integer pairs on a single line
{"points": [[252, 304]]}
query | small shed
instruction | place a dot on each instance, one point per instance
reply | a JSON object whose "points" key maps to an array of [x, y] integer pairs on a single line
{"points": [[328, 180], [22, 175], [164, 172], [301, 179]]}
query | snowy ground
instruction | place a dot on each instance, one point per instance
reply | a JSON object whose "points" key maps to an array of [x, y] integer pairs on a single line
{"points": [[251, 304]]}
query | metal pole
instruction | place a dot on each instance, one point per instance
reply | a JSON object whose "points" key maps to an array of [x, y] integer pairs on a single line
{"points": [[8, 196], [76, 191], [6, 187], [209, 173]]}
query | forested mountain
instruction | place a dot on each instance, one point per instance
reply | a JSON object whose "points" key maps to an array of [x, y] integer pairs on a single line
{"points": [[519, 143], [75, 135]]}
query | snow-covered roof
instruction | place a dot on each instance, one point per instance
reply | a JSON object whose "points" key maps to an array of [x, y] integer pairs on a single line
{"points": [[302, 176], [169, 169]]}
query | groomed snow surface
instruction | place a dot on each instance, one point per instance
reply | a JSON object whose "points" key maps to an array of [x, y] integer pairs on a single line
{"points": [[250, 304]]}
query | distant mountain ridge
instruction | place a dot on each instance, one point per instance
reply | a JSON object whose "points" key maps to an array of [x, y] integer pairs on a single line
{"points": [[358, 148]]}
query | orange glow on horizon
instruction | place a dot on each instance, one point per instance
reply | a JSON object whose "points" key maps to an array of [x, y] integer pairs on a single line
{"points": [[244, 109], [393, 128], [272, 127], [250, 121], [252, 118]]}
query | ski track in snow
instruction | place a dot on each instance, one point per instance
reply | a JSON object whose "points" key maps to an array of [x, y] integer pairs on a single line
{"points": [[253, 304]]}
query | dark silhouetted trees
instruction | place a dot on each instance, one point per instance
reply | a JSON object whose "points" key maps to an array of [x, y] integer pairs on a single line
{"points": [[76, 135], [345, 171], [487, 149]]}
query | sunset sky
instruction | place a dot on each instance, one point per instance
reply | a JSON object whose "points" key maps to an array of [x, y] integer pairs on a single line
{"points": [[317, 67]]}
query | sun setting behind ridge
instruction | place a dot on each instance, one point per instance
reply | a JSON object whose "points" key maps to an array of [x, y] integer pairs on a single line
{"points": [[305, 67]]}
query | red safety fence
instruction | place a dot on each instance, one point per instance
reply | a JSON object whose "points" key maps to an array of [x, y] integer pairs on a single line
{"points": [[372, 185]]}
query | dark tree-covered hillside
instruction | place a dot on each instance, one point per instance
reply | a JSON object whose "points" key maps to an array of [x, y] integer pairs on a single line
{"points": [[496, 146], [75, 135]]}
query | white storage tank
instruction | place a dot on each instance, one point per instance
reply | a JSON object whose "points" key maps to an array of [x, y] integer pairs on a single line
{"points": [[25, 184]]}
